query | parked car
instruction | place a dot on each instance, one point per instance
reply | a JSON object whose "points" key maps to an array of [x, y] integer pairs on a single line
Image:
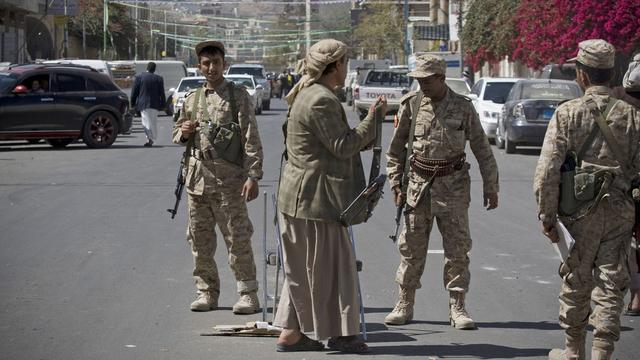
{"points": [[528, 109], [257, 71], [488, 96], [559, 71], [61, 103], [457, 85], [99, 65], [390, 83], [349, 83], [254, 89], [172, 71], [186, 84], [193, 71]]}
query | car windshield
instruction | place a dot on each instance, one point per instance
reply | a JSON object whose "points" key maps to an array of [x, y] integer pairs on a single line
{"points": [[497, 91], [7, 81], [387, 78], [246, 82], [256, 72], [549, 91], [458, 86], [186, 85]]}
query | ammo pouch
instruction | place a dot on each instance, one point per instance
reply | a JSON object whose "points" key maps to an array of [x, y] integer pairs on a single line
{"points": [[580, 190], [225, 139]]}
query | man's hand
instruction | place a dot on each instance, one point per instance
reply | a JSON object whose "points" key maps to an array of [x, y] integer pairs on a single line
{"points": [[399, 196], [250, 190], [550, 232], [491, 201], [382, 101], [188, 128]]}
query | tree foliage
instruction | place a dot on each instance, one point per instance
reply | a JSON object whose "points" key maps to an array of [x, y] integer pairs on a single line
{"points": [[381, 31], [552, 36], [489, 30]]}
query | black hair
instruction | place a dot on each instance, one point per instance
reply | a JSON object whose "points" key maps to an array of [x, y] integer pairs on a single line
{"points": [[331, 66], [210, 50], [151, 67], [596, 76]]}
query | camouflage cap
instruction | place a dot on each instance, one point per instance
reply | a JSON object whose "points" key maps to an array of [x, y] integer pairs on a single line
{"points": [[631, 81], [207, 43], [595, 53], [427, 65]]}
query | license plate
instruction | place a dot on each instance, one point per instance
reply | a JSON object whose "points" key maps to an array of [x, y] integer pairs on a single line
{"points": [[547, 113]]}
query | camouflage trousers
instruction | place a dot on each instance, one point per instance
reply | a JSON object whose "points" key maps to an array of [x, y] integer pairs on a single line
{"points": [[596, 271], [453, 222], [228, 210]]}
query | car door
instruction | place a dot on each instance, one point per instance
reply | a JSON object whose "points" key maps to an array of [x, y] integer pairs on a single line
{"points": [[30, 111], [73, 99]]}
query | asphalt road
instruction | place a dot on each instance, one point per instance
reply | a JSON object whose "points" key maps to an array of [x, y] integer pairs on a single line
{"points": [[94, 268]]}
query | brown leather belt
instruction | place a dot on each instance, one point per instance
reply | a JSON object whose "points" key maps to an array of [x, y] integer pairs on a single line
{"points": [[208, 154], [436, 167]]}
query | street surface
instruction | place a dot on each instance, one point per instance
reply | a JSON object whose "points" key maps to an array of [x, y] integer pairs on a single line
{"points": [[94, 268]]}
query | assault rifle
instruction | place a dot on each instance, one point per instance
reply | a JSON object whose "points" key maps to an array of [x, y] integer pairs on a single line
{"points": [[182, 175], [368, 198]]}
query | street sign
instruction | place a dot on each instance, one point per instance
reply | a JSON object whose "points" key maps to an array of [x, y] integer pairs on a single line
{"points": [[56, 7]]}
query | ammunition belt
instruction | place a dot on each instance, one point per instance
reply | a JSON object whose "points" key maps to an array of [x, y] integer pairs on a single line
{"points": [[436, 167]]}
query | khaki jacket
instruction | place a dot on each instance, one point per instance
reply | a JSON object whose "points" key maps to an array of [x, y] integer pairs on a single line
{"points": [[210, 175], [568, 130], [324, 171], [441, 138]]}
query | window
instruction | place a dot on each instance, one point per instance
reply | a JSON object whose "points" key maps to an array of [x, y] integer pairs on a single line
{"points": [[477, 87], [37, 83], [99, 85], [71, 82], [497, 91]]}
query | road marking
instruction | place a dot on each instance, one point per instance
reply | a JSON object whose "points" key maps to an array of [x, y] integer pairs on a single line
{"points": [[435, 252], [489, 268]]}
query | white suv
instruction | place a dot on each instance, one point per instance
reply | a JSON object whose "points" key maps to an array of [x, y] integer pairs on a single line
{"points": [[257, 71], [488, 96]]}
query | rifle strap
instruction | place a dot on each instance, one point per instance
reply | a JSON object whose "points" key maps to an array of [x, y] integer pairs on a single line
{"points": [[592, 135], [609, 137], [194, 118], [415, 108]]}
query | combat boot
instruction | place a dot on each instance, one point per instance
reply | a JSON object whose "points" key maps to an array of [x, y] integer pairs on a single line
{"points": [[458, 315], [403, 311], [205, 302], [600, 354], [247, 304]]}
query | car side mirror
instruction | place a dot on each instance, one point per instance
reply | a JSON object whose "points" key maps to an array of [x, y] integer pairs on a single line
{"points": [[172, 90], [259, 87], [473, 97], [20, 89]]}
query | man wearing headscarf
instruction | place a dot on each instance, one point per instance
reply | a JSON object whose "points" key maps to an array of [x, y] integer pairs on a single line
{"points": [[630, 92], [323, 174]]}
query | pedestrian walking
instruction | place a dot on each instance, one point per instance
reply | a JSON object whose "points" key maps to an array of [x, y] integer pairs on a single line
{"points": [[148, 97], [223, 174], [598, 136], [438, 122], [322, 176]]}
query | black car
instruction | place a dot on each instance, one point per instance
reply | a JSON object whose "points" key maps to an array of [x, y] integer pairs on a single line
{"points": [[528, 109], [62, 103]]}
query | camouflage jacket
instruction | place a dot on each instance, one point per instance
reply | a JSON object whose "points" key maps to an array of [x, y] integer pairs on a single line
{"points": [[441, 138], [206, 176], [568, 130], [324, 171]]}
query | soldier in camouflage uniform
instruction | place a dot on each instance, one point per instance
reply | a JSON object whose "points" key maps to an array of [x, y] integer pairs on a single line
{"points": [[596, 268], [218, 189], [445, 122]]}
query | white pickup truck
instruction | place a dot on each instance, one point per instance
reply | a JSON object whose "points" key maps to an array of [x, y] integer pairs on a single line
{"points": [[391, 83]]}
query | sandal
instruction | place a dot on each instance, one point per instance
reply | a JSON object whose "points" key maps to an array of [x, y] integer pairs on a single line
{"points": [[630, 312], [348, 344], [304, 344]]}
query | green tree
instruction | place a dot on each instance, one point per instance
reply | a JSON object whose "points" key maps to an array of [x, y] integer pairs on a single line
{"points": [[381, 32], [489, 31]]}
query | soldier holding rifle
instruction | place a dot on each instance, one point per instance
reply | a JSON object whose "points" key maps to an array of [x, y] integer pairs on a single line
{"points": [[433, 128]]}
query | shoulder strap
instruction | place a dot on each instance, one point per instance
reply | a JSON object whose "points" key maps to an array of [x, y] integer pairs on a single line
{"points": [[608, 136], [412, 130], [232, 102], [196, 101], [591, 105]]}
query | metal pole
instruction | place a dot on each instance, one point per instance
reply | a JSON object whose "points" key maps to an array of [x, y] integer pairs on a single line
{"points": [[105, 20], [307, 24], [460, 14], [264, 259], [407, 47], [152, 53], [135, 38], [175, 40], [66, 32], [84, 39], [363, 324], [165, 33]]}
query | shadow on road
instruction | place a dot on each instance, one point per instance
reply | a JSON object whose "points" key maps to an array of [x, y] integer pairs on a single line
{"points": [[480, 351], [541, 325], [370, 310]]}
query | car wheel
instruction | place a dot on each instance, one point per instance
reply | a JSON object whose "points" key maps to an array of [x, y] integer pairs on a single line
{"points": [[509, 146], [100, 130], [499, 138], [59, 143]]}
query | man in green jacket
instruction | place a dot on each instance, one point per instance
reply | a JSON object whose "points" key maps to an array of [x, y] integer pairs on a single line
{"points": [[322, 176]]}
